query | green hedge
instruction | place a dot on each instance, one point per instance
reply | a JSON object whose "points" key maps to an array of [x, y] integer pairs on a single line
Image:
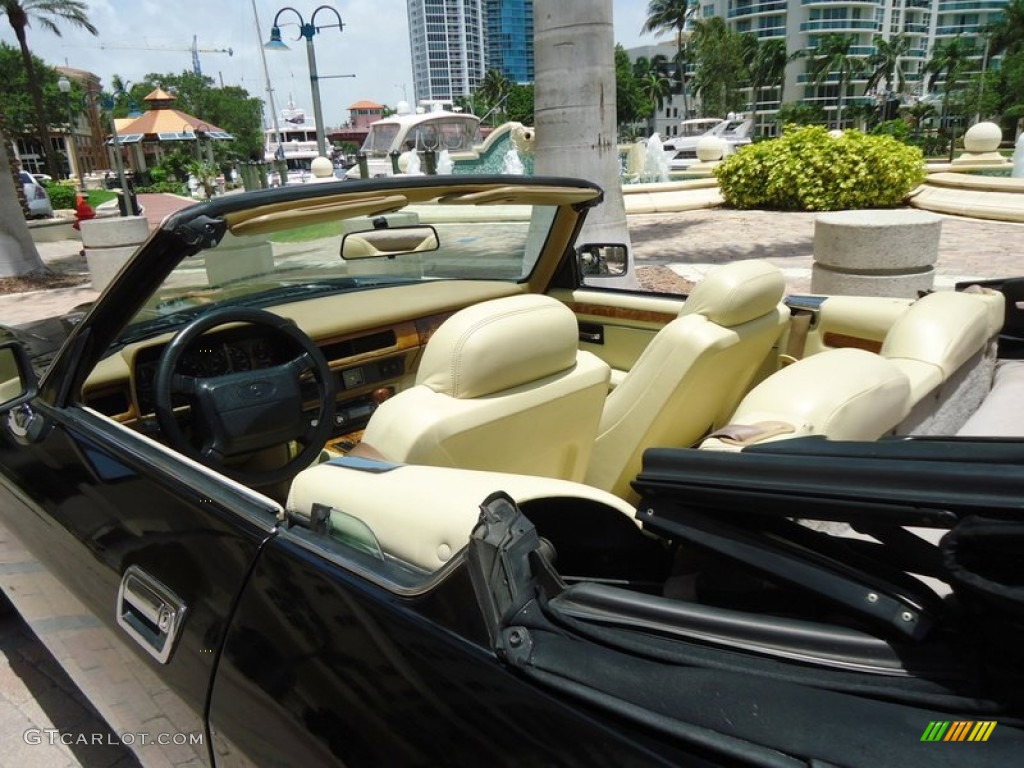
{"points": [[806, 169], [62, 193]]}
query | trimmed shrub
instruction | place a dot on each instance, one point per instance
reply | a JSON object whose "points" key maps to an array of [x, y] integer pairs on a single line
{"points": [[806, 169], [62, 193]]}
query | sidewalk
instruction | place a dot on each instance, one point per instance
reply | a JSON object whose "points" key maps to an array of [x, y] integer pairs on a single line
{"points": [[689, 243]]}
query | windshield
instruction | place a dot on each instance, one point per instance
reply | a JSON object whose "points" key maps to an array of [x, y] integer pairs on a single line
{"points": [[299, 260], [380, 138]]}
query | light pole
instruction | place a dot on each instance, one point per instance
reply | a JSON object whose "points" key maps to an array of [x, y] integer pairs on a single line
{"points": [[307, 31], [74, 169]]}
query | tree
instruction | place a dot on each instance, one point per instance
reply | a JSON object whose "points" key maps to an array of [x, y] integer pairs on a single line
{"points": [[519, 104], [720, 72], [1007, 34], [631, 105], [230, 107], [575, 109], [46, 13], [885, 62], [832, 57], [494, 90], [950, 59], [767, 69], [652, 83], [672, 16], [18, 253]]}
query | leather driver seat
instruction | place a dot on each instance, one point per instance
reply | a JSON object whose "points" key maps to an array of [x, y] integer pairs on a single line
{"points": [[692, 375], [502, 386]]}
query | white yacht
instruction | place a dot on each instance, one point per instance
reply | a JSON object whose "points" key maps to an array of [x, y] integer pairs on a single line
{"points": [[429, 127], [294, 141], [681, 150]]}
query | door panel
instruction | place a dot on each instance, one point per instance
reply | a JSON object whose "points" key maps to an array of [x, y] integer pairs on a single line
{"points": [[848, 321], [94, 500], [623, 322]]}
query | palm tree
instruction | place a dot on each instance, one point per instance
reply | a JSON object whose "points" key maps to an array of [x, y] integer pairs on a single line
{"points": [[494, 89], [950, 59], [575, 107], [46, 13], [672, 16], [1007, 34], [18, 252], [652, 82], [885, 62], [767, 69], [832, 57], [720, 68]]}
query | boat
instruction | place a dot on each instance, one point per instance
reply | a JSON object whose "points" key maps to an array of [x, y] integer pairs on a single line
{"points": [[292, 140], [682, 149], [429, 127]]}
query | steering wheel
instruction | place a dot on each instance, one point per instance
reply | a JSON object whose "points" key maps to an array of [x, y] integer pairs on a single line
{"points": [[240, 413]]}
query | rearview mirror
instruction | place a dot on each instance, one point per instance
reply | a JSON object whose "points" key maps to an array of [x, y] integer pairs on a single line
{"points": [[603, 259], [388, 242]]}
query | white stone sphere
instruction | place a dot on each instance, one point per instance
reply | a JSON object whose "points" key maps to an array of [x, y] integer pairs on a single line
{"points": [[322, 168], [983, 137], [710, 148]]}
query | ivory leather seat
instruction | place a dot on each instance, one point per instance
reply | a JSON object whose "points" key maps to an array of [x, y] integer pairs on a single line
{"points": [[690, 377], [502, 386], [933, 370]]}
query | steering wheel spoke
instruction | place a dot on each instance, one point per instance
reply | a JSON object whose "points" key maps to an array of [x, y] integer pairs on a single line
{"points": [[183, 385], [301, 363]]}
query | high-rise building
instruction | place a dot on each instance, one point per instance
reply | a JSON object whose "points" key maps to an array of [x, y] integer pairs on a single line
{"points": [[454, 42], [448, 47], [802, 23], [510, 38]]}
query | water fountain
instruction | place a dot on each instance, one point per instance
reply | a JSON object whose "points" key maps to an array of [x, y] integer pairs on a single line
{"points": [[512, 163], [655, 162], [1018, 159], [444, 163], [412, 164]]}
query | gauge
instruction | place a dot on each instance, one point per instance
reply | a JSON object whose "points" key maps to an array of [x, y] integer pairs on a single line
{"points": [[215, 361], [238, 359], [262, 353]]}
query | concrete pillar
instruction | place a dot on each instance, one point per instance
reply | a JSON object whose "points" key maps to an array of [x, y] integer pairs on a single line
{"points": [[109, 243], [875, 252]]}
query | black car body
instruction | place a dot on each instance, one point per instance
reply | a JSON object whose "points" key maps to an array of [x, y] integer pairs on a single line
{"points": [[768, 606]]}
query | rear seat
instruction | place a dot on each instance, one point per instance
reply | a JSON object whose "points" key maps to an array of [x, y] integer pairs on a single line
{"points": [[934, 369]]}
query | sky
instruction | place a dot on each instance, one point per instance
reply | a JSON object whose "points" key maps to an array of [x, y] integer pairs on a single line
{"points": [[137, 37]]}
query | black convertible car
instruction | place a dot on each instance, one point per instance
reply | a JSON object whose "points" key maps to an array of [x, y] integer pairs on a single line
{"points": [[384, 473]]}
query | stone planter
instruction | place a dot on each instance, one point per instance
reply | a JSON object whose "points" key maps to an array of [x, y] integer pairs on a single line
{"points": [[109, 243], [875, 252]]}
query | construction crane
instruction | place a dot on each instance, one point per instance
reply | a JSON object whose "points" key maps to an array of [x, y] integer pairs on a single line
{"points": [[195, 49]]}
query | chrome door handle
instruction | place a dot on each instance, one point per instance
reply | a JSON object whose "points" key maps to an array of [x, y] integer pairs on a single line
{"points": [[149, 612]]}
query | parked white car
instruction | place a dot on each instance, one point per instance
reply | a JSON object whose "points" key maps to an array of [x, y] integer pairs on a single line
{"points": [[39, 206]]}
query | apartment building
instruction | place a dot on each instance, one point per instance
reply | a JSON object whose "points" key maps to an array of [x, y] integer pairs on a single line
{"points": [[455, 42]]}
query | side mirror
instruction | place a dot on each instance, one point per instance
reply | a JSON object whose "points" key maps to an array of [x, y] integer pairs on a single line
{"points": [[17, 379], [603, 259]]}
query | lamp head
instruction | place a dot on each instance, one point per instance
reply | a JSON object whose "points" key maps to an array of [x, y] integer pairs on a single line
{"points": [[64, 84], [275, 43]]}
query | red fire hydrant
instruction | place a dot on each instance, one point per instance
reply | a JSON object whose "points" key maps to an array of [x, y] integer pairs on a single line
{"points": [[83, 210]]}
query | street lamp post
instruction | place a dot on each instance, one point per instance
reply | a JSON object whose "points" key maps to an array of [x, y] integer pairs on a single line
{"points": [[74, 169], [307, 31]]}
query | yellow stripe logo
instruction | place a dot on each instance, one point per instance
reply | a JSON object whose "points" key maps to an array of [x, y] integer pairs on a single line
{"points": [[959, 730]]}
